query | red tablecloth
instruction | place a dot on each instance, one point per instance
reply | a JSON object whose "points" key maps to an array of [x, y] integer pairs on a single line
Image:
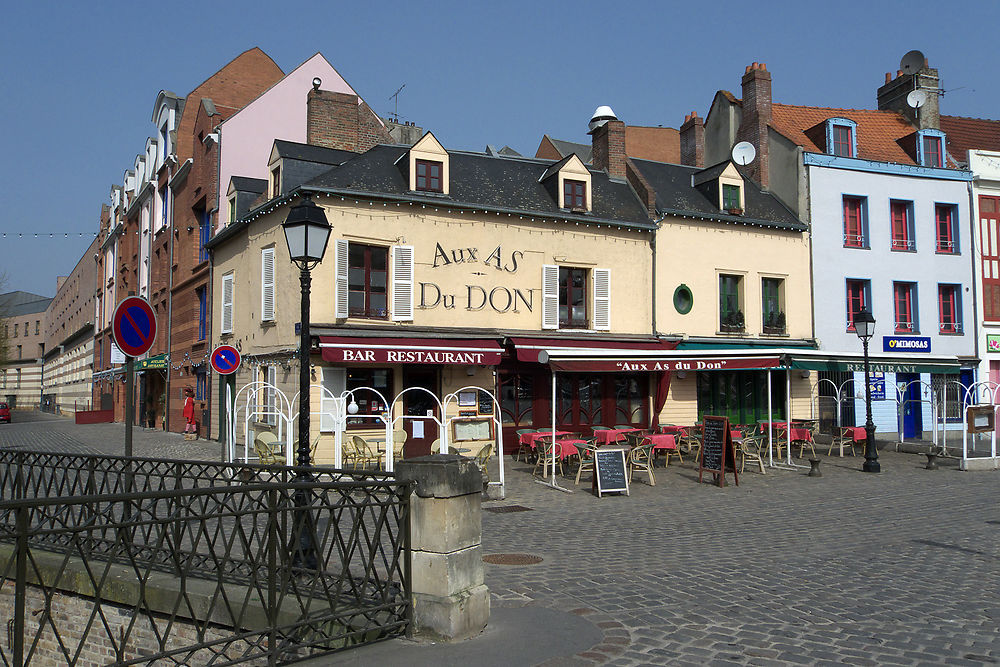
{"points": [[858, 433], [530, 438], [799, 434], [661, 441], [672, 430], [606, 437]]}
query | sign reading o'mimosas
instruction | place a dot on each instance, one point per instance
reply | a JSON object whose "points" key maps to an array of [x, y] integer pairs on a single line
{"points": [[906, 344]]}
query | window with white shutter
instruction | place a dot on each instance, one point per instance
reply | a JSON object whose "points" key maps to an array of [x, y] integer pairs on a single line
{"points": [[550, 296], [402, 283], [340, 279], [227, 303], [602, 299], [267, 285]]}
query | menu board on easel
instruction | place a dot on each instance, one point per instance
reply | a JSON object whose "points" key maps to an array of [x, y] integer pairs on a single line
{"points": [[610, 470], [717, 455]]}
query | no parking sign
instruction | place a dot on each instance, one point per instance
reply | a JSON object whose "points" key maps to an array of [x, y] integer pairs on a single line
{"points": [[226, 359], [134, 326]]}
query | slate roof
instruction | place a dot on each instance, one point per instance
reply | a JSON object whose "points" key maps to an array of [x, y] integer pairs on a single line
{"points": [[14, 304], [483, 182], [878, 132], [583, 151], [965, 134], [247, 184], [675, 195], [310, 153]]}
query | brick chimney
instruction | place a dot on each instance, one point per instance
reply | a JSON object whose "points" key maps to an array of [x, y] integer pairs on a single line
{"points": [[342, 121], [608, 141], [756, 118], [892, 96], [692, 134]]}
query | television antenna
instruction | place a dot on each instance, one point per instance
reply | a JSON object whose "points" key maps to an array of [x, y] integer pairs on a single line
{"points": [[744, 153], [395, 98]]}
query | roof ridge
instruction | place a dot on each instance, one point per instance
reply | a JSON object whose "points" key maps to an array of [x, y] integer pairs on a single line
{"points": [[811, 106], [985, 120]]}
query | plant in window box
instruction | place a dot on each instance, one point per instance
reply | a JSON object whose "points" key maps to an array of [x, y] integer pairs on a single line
{"points": [[734, 211], [733, 321], [774, 323]]}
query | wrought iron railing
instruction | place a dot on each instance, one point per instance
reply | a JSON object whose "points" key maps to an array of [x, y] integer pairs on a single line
{"points": [[130, 561]]}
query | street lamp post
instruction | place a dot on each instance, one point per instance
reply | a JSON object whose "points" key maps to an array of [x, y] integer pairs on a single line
{"points": [[306, 233], [864, 325]]}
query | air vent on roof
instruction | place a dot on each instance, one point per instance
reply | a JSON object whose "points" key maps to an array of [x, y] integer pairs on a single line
{"points": [[602, 115]]}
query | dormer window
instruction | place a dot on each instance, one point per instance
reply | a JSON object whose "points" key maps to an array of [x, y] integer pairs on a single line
{"points": [[275, 181], [731, 197], [574, 194], [930, 148], [429, 175], [841, 137]]}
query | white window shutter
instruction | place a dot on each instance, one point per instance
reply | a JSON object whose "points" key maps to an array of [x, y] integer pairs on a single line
{"points": [[550, 296], [227, 303], [602, 299], [340, 281], [267, 284], [402, 283]]}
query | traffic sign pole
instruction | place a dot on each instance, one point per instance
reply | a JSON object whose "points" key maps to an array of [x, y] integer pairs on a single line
{"points": [[129, 402]]}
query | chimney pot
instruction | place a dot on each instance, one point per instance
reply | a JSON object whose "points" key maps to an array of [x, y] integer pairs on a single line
{"points": [[888, 77], [899, 73]]}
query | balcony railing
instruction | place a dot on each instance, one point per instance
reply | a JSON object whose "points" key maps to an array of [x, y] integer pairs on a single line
{"points": [[905, 327], [951, 327], [904, 244], [854, 241], [946, 246]]}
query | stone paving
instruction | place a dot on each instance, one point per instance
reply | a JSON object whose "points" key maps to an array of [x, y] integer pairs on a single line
{"points": [[900, 568]]}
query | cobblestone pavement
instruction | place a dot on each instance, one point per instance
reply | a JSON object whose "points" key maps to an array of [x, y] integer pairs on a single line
{"points": [[898, 568]]}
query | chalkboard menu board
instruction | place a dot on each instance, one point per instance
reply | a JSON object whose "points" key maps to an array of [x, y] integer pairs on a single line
{"points": [[717, 455], [609, 470], [485, 403]]}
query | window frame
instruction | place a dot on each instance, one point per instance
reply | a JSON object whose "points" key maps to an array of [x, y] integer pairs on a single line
{"points": [[275, 181], [779, 325], [860, 297], [368, 311], [352, 380], [736, 317], [429, 177], [729, 189], [202, 294], [204, 234], [901, 232], [862, 221], [942, 244], [574, 194], [950, 295], [567, 292], [904, 303], [835, 142], [924, 156]]}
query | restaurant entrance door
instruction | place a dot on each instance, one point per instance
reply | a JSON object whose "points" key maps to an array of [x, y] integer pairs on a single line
{"points": [[420, 433], [584, 400]]}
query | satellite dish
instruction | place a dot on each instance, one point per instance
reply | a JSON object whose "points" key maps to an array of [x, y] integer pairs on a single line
{"points": [[744, 153], [912, 62], [917, 98]]}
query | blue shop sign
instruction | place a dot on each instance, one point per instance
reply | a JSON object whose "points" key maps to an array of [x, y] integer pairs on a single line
{"points": [[906, 344], [878, 386]]}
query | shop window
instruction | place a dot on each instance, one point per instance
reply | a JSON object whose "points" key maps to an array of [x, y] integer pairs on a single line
{"points": [[730, 304], [989, 241], [631, 396], [904, 300], [772, 301], [901, 214], [858, 298], [739, 395], [950, 309], [517, 396], [367, 281], [946, 226], [429, 175], [855, 222], [952, 391], [370, 406]]}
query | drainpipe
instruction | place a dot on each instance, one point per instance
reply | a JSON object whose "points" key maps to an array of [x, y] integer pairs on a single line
{"points": [[652, 246], [170, 299], [973, 218]]}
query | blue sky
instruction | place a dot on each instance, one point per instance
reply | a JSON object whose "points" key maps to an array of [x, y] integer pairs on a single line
{"points": [[80, 79]]}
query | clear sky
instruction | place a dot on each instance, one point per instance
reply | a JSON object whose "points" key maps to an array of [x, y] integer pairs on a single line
{"points": [[79, 79]]}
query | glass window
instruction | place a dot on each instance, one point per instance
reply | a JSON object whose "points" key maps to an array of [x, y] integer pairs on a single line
{"points": [[367, 281], [202, 313], [901, 213], [429, 176], [572, 297], [855, 227], [276, 181], [574, 194], [630, 399], [949, 309], [370, 406], [204, 233], [843, 143], [516, 398], [904, 302], [773, 315], [932, 151], [858, 298], [579, 400], [989, 220], [730, 313], [945, 216], [739, 395], [200, 387]]}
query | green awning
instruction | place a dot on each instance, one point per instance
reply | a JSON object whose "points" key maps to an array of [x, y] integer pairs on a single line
{"points": [[157, 363], [876, 365]]}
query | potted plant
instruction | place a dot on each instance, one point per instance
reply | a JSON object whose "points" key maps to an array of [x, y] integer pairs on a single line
{"points": [[774, 323], [733, 321], [734, 211]]}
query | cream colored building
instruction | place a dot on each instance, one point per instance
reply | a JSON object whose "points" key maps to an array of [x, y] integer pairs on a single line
{"points": [[22, 315]]}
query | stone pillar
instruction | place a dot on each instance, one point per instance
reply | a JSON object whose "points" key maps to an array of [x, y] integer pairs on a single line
{"points": [[450, 599]]}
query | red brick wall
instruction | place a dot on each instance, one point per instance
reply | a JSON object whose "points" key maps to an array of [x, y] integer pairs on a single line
{"points": [[756, 118], [609, 148], [337, 120], [693, 141]]}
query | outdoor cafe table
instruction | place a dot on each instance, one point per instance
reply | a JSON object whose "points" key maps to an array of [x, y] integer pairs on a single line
{"points": [[612, 435], [858, 433], [530, 438], [661, 441], [672, 430]]}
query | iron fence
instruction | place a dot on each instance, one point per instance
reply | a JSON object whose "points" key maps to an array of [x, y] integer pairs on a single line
{"points": [[131, 561]]}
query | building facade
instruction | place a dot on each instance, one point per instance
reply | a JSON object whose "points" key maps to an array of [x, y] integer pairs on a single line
{"points": [[22, 315]]}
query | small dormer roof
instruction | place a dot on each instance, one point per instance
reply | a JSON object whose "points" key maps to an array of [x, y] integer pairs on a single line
{"points": [[711, 173]]}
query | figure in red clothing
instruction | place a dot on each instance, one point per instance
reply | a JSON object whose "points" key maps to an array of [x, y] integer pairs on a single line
{"points": [[190, 428]]}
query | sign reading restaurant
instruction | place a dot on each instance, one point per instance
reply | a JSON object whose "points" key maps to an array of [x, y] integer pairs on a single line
{"points": [[465, 352], [906, 344]]}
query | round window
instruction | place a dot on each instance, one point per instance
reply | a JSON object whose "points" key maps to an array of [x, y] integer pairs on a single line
{"points": [[683, 299]]}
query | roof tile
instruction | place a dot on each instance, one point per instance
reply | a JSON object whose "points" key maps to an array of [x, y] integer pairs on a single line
{"points": [[879, 132]]}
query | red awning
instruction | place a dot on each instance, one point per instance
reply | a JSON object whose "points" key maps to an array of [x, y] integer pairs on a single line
{"points": [[528, 348], [666, 363], [461, 351]]}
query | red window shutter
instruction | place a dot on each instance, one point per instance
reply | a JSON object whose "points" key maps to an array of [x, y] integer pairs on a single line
{"points": [[989, 228]]}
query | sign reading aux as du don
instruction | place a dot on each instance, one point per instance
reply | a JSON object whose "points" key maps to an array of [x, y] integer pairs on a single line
{"points": [[470, 296]]}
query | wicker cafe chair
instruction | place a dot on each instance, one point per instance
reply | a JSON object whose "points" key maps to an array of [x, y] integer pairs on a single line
{"points": [[843, 439], [640, 458], [526, 450], [363, 454], [545, 448], [749, 449], [586, 454], [690, 442], [398, 441], [483, 459], [268, 449]]}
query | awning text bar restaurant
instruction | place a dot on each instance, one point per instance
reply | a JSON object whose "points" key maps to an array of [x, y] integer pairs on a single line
{"points": [[481, 352]]}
